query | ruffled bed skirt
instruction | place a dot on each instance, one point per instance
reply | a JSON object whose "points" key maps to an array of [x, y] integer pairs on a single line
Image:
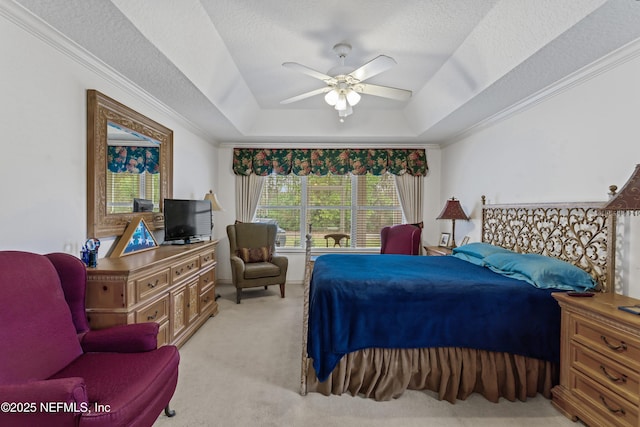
{"points": [[453, 373]]}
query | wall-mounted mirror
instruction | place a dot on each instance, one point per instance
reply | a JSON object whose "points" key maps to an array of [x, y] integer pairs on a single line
{"points": [[129, 167]]}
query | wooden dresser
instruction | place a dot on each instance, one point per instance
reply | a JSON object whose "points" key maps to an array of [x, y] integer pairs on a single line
{"points": [[600, 361], [172, 285]]}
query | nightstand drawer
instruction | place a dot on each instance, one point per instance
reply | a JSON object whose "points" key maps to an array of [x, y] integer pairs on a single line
{"points": [[613, 408], [609, 341], [612, 375]]}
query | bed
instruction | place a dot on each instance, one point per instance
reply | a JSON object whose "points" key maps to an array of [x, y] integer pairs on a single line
{"points": [[377, 325]]}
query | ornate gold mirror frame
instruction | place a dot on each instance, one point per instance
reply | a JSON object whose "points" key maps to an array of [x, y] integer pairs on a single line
{"points": [[102, 110]]}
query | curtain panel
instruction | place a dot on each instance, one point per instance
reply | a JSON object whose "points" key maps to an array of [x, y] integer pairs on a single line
{"points": [[129, 159], [248, 190], [263, 162]]}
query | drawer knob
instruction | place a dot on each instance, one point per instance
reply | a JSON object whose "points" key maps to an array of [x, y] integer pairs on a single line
{"points": [[154, 316], [621, 347], [622, 378], [614, 411], [153, 285]]}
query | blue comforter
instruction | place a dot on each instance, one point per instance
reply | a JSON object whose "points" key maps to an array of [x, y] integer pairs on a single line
{"points": [[399, 301]]}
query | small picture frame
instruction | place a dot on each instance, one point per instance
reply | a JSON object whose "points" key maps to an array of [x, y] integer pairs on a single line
{"points": [[465, 241], [136, 238], [444, 239]]}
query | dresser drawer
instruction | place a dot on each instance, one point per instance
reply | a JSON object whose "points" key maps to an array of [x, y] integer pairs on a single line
{"points": [[618, 378], [155, 312], [206, 300], [184, 269], [611, 342], [208, 258], [207, 279], [163, 334], [612, 407], [150, 285]]}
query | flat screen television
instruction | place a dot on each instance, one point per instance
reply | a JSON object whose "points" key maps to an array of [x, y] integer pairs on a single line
{"points": [[186, 221], [142, 205]]}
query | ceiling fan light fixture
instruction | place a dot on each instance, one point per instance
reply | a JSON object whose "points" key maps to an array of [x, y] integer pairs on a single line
{"points": [[344, 85], [331, 97], [341, 104], [353, 97], [346, 112]]}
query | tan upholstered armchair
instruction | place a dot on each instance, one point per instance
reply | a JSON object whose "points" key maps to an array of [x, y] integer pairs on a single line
{"points": [[253, 259]]}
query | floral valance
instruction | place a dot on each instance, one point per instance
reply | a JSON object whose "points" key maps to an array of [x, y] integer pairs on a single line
{"points": [[128, 159], [263, 162]]}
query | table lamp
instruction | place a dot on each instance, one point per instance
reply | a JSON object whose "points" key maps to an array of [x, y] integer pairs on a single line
{"points": [[452, 210]]}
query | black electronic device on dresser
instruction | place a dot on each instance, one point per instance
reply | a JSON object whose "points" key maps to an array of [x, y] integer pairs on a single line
{"points": [[186, 221]]}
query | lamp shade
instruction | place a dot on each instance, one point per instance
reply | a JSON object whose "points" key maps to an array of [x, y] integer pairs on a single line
{"points": [[353, 97], [452, 210], [628, 199], [331, 97], [215, 204]]}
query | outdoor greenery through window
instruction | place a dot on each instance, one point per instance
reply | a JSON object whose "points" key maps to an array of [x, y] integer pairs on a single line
{"points": [[122, 188], [358, 206]]}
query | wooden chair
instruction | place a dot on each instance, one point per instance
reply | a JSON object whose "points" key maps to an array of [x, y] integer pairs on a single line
{"points": [[337, 238]]}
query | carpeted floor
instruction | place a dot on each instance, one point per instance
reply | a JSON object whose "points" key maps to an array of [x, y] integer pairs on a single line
{"points": [[242, 368]]}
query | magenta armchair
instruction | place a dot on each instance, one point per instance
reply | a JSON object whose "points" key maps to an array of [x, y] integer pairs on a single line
{"points": [[400, 239], [54, 371]]}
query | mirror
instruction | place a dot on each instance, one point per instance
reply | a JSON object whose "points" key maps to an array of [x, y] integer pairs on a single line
{"points": [[129, 167]]}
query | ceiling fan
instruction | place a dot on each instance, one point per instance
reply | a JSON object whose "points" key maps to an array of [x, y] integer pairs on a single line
{"points": [[343, 87]]}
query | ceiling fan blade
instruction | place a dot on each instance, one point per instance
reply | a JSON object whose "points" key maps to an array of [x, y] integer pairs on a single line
{"points": [[309, 72], [383, 91], [306, 95], [375, 66]]}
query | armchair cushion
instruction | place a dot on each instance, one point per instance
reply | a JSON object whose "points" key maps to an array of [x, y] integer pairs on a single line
{"points": [[261, 269], [125, 383], [250, 255], [133, 338]]}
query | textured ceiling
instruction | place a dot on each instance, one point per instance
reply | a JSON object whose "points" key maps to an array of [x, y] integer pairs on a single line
{"points": [[218, 62]]}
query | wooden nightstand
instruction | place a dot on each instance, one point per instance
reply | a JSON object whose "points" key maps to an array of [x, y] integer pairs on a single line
{"points": [[599, 360], [437, 250]]}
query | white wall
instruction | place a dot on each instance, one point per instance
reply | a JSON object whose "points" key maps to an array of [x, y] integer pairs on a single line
{"points": [[43, 131], [570, 147]]}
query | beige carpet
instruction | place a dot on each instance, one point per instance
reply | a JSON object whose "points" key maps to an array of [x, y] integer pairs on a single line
{"points": [[242, 368]]}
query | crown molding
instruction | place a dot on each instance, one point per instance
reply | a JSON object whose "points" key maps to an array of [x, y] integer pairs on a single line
{"points": [[327, 145], [600, 66], [35, 26]]}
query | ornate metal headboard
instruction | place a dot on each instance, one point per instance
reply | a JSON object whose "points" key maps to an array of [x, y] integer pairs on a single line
{"points": [[579, 233]]}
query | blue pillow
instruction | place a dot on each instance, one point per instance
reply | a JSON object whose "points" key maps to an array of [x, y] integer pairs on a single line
{"points": [[479, 249], [469, 258], [541, 271]]}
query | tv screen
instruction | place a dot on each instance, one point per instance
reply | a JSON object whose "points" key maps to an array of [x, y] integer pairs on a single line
{"points": [[142, 205], [186, 219]]}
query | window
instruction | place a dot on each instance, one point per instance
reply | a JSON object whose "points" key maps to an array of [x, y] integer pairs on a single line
{"points": [[358, 206], [123, 187]]}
